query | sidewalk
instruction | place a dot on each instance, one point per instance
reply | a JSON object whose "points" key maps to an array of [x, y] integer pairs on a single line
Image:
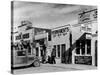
{"points": [[73, 66]]}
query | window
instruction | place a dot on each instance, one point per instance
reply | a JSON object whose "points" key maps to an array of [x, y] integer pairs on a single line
{"points": [[63, 49], [83, 47], [88, 41], [80, 46], [25, 35], [77, 47], [21, 53], [58, 48]]}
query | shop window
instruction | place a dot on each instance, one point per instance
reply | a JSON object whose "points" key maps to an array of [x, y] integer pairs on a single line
{"points": [[77, 47], [88, 41], [80, 46], [58, 48], [83, 47]]}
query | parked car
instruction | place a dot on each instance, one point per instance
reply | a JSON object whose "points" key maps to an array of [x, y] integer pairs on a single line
{"points": [[22, 58]]}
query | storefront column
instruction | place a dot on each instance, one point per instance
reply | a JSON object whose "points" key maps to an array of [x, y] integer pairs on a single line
{"points": [[73, 56], [85, 47], [39, 52], [34, 51], [93, 51]]}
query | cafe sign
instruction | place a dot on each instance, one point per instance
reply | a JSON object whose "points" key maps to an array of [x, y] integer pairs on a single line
{"points": [[60, 32], [86, 16]]}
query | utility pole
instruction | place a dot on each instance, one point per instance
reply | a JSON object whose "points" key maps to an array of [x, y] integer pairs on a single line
{"points": [[12, 56], [70, 48]]}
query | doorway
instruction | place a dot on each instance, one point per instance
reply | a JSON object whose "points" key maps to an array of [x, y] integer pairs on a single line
{"points": [[63, 49], [96, 54], [37, 51], [41, 49]]}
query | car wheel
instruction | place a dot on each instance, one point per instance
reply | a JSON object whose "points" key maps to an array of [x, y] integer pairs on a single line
{"points": [[36, 63]]}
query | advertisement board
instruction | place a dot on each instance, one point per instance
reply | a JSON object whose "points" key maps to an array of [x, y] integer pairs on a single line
{"points": [[83, 60]]}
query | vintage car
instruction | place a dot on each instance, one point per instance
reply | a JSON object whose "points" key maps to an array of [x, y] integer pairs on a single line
{"points": [[21, 58]]}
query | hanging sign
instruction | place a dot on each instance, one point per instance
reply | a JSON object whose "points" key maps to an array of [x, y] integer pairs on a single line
{"points": [[84, 17], [87, 16]]}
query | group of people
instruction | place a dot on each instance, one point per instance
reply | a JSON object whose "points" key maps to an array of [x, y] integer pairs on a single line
{"points": [[51, 59]]}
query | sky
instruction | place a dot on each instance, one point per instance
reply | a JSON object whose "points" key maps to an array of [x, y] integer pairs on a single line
{"points": [[47, 15]]}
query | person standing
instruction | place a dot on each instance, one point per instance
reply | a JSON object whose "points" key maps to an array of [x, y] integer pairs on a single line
{"points": [[44, 54], [53, 55]]}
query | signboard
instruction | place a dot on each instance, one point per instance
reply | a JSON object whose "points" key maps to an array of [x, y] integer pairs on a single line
{"points": [[41, 36], [39, 31], [86, 27], [84, 17], [19, 36], [87, 16], [83, 60], [88, 36], [22, 36], [60, 32]]}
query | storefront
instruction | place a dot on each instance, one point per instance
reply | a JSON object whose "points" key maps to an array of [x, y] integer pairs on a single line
{"points": [[30, 40], [36, 39], [42, 39], [76, 43], [61, 43], [85, 52]]}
